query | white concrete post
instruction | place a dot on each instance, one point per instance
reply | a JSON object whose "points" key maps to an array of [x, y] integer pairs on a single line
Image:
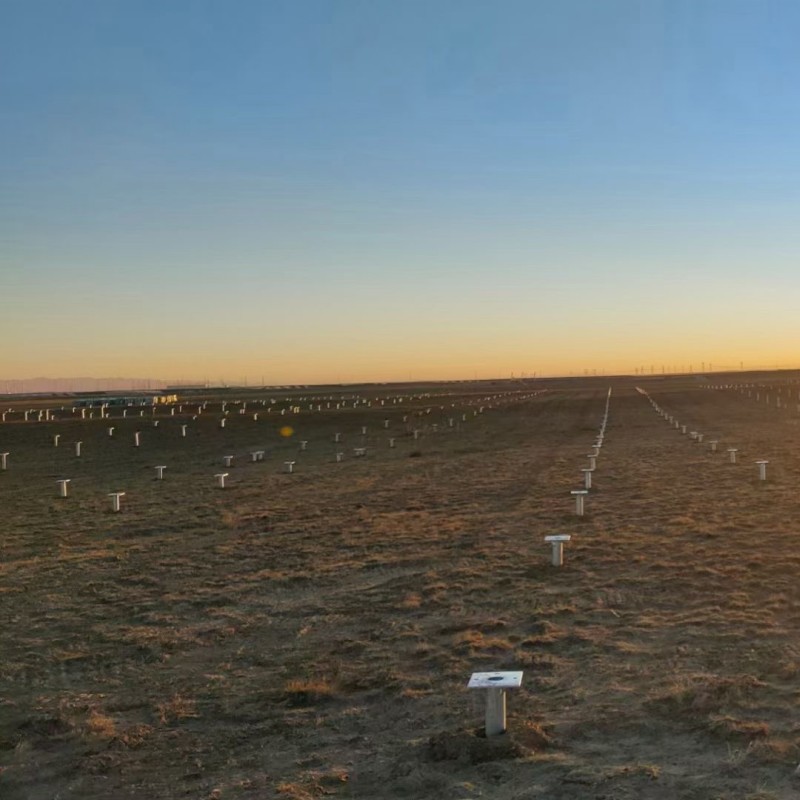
{"points": [[579, 495], [160, 472], [222, 423], [495, 712], [762, 470], [495, 684], [557, 543], [303, 445], [289, 466], [587, 478], [115, 496], [136, 439], [714, 444], [732, 452], [62, 486], [228, 460], [55, 439], [391, 441], [4, 461], [592, 460], [183, 430], [220, 476], [78, 448], [110, 431], [339, 457]]}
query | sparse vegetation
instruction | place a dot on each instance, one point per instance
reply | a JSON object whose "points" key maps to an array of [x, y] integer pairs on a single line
{"points": [[311, 635]]}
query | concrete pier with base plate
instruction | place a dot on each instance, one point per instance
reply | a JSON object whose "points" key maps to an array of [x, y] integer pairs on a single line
{"points": [[557, 543], [495, 684]]}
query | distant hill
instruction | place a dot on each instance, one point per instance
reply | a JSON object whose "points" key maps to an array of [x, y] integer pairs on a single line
{"points": [[61, 385]]}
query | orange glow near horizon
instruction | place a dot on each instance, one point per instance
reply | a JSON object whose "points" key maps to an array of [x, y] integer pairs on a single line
{"points": [[436, 361]]}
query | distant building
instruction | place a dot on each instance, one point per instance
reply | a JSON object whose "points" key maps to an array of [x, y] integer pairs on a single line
{"points": [[148, 399]]}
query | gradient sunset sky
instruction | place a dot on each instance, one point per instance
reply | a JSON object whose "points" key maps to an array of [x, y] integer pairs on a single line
{"points": [[345, 190]]}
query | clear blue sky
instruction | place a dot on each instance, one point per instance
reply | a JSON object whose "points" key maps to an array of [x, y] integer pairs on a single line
{"points": [[367, 190]]}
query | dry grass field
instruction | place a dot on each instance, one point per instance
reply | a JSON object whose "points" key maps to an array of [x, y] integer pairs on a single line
{"points": [[311, 635]]}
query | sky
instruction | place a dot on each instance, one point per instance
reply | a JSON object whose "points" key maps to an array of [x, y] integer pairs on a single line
{"points": [[349, 190]]}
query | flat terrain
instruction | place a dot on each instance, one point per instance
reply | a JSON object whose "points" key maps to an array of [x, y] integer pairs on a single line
{"points": [[311, 634]]}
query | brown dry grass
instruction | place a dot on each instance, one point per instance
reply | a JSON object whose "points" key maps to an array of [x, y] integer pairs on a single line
{"points": [[311, 635]]}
